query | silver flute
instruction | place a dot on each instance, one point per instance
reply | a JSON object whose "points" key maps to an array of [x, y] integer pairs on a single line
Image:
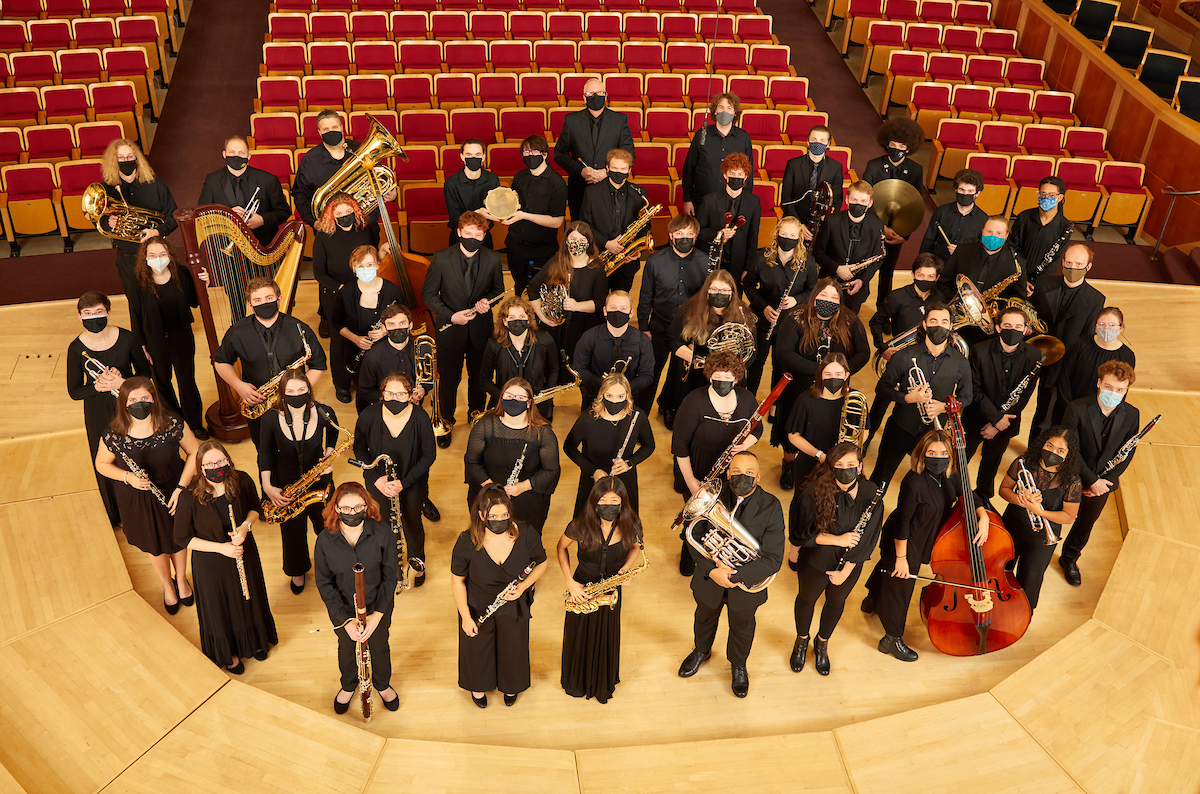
{"points": [[628, 435]]}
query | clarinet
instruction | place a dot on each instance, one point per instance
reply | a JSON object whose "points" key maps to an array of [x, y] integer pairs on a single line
{"points": [[861, 526], [628, 435], [515, 474], [137, 471], [1021, 387], [786, 294], [500, 599], [1052, 252], [1127, 448]]}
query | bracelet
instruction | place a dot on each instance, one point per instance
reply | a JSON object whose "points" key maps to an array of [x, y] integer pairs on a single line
{"points": [[125, 478], [179, 487]]}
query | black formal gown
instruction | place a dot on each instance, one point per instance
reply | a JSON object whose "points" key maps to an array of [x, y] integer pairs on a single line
{"points": [[703, 435], [591, 655], [493, 450], [593, 443], [765, 286], [587, 284], [145, 520]]}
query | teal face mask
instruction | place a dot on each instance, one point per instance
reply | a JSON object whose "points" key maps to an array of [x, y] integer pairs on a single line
{"points": [[992, 242]]}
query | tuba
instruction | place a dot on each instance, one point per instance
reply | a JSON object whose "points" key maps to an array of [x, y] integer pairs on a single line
{"points": [[631, 244], [425, 358], [853, 423], [726, 542], [736, 338], [126, 223], [361, 173]]}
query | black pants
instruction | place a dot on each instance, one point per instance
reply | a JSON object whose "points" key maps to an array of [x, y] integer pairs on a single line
{"points": [[381, 657], [411, 500], [176, 350], [294, 538], [495, 658], [1090, 508], [662, 357], [896, 445], [450, 367], [523, 262], [892, 597], [993, 453], [812, 584], [341, 352], [879, 409], [741, 627], [1033, 554], [328, 297], [622, 278], [891, 254], [126, 263]]}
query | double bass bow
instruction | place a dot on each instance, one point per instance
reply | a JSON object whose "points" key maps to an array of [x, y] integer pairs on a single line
{"points": [[979, 607]]}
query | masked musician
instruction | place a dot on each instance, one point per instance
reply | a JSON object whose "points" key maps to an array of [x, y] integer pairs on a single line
{"points": [[739, 203], [779, 269], [460, 282], [296, 434], [266, 342], [320, 163], [498, 559], [239, 185], [533, 230], [342, 229], [830, 546], [1041, 233], [805, 172], [609, 534], [354, 533], [160, 314], [519, 349], [129, 178], [609, 439], [710, 146], [615, 346], [120, 356], [356, 317], [1086, 354], [808, 334], [466, 190], [145, 436], [709, 420], [513, 447], [715, 584], [214, 520], [848, 238], [586, 138], [397, 354], [961, 222], [898, 138], [1104, 424], [987, 264], [927, 496], [611, 206], [672, 275], [945, 371], [576, 270]]}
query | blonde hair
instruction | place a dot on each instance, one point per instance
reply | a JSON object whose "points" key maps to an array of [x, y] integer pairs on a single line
{"points": [[610, 380], [111, 172], [771, 252]]}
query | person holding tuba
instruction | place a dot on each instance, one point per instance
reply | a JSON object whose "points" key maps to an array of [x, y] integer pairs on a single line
{"points": [[615, 346], [609, 439], [519, 349], [254, 195], [266, 342], [356, 317], [611, 206], [716, 583], [849, 238], [321, 163]]}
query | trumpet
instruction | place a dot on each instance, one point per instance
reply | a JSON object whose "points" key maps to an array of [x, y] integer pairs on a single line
{"points": [[734, 337], [250, 208], [631, 244], [125, 222], [852, 426], [269, 389], [425, 360], [97, 370], [917, 380], [726, 542], [300, 492], [604, 592], [1026, 485]]}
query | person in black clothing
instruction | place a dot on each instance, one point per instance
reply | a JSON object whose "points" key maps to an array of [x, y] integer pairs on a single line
{"points": [[927, 496], [120, 356], [356, 317], [610, 206], [808, 335], [398, 428], [214, 520], [586, 138], [1068, 305], [238, 184], [1085, 355], [160, 313], [459, 284], [898, 138], [514, 447], [398, 354], [615, 346], [805, 172], [951, 225], [609, 534], [609, 439], [128, 177], [1104, 424], [672, 275], [986, 263], [946, 372], [320, 163], [355, 535], [829, 547], [533, 229], [710, 146], [465, 190], [849, 238], [997, 367], [266, 342], [739, 203], [519, 349], [499, 556], [342, 229], [575, 274], [715, 584], [1040, 234], [296, 433], [1054, 463]]}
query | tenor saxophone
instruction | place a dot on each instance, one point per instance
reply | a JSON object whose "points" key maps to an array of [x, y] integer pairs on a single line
{"points": [[301, 492], [269, 389], [604, 592]]}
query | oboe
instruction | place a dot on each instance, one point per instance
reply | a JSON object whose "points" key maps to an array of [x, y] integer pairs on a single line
{"points": [[515, 475], [1021, 387], [628, 435], [137, 471], [500, 599], [241, 564]]}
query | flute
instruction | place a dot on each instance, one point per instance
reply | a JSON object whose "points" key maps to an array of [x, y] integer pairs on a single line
{"points": [[241, 564]]}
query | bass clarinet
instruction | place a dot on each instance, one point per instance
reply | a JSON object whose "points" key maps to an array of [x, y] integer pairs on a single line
{"points": [[1127, 448]]}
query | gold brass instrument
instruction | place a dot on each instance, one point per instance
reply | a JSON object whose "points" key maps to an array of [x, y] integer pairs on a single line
{"points": [[631, 244], [491, 304], [425, 360], [967, 308], [852, 426], [917, 380], [1025, 484], [362, 652], [406, 566], [604, 592], [301, 492], [858, 267], [361, 174], [899, 205], [548, 394], [552, 298], [726, 542], [269, 389], [993, 293], [125, 222], [241, 563], [735, 338], [97, 370]]}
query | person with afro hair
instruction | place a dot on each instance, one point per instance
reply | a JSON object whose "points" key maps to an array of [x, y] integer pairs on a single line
{"points": [[898, 138]]}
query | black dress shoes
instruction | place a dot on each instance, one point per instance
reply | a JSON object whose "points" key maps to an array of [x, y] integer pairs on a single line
{"points": [[510, 699], [480, 701], [343, 395], [821, 655], [787, 479], [391, 705], [430, 511], [1071, 571], [687, 565], [669, 419], [799, 654], [172, 609], [200, 433], [190, 600], [868, 605], [261, 655], [443, 442], [419, 580], [741, 682], [692, 663], [896, 647], [342, 708], [297, 589], [238, 668]]}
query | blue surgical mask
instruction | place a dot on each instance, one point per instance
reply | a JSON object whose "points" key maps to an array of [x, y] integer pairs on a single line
{"points": [[1047, 203], [367, 274], [1110, 399], [992, 242]]}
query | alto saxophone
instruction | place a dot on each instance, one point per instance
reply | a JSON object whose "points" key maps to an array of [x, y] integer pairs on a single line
{"points": [[269, 389], [300, 492], [547, 394], [631, 244], [604, 592], [859, 267]]}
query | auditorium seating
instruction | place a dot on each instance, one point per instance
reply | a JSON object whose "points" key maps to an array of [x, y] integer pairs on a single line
{"points": [[1160, 71], [1127, 43], [26, 106], [1093, 18]]}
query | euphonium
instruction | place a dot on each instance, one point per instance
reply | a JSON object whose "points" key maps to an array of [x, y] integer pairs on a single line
{"points": [[726, 542], [425, 359], [967, 308], [269, 389], [126, 223], [361, 172], [300, 492], [604, 592], [736, 338], [853, 423], [631, 244]]}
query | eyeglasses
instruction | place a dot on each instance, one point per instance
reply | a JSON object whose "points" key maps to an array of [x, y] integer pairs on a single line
{"points": [[508, 396], [1048, 195], [129, 159], [1108, 325], [595, 93], [217, 465], [720, 291], [354, 511], [94, 313], [395, 395]]}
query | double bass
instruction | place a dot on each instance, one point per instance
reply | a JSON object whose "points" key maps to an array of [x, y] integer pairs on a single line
{"points": [[974, 606]]}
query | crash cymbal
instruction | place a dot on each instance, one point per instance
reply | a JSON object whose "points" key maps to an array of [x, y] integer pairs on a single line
{"points": [[899, 205]]}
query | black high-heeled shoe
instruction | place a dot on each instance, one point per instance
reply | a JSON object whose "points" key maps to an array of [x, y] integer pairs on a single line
{"points": [[261, 654], [190, 600], [510, 699], [297, 589], [393, 704], [338, 706], [172, 609]]}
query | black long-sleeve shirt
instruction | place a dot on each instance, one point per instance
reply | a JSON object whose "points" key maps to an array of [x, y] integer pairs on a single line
{"points": [[949, 373], [1077, 368], [152, 195], [739, 248], [334, 559], [765, 284], [412, 452], [668, 280], [536, 362], [125, 355], [849, 511], [380, 361], [493, 449], [331, 254], [265, 352], [761, 515], [1032, 241], [956, 226], [463, 194], [315, 169], [903, 309], [702, 166], [598, 350]]}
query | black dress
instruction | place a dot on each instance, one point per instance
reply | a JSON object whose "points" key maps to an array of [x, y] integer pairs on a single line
{"points": [[99, 408], [587, 284], [498, 656], [230, 625], [493, 450], [591, 655], [702, 435], [1033, 554], [593, 443], [764, 286], [145, 520], [818, 422], [1077, 370]]}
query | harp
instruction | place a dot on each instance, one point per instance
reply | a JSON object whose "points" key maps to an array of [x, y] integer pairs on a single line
{"points": [[214, 238]]}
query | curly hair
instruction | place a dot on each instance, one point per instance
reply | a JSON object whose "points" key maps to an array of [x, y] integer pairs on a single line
{"points": [[1070, 468], [500, 334], [326, 224], [825, 484], [771, 252], [110, 172], [905, 131], [724, 361], [1118, 369], [734, 161], [142, 270]]}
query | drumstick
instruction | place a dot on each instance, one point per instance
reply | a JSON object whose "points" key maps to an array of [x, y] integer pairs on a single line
{"points": [[944, 237]]}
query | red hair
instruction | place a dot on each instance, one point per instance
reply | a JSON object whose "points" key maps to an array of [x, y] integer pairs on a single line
{"points": [[330, 517], [327, 224]]}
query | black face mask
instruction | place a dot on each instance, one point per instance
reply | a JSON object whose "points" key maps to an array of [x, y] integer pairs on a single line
{"points": [[398, 335], [722, 387], [786, 243], [684, 245], [856, 211], [265, 311], [514, 407], [614, 407], [95, 324], [741, 484], [1051, 458], [596, 102], [473, 163], [237, 162], [825, 309], [532, 161], [332, 138], [1010, 336], [618, 319], [296, 400], [140, 410], [964, 199], [353, 519], [937, 334], [498, 526], [845, 476], [470, 244], [936, 466], [736, 182], [517, 327], [394, 407], [719, 300], [128, 167], [608, 512], [923, 286], [833, 385], [218, 475], [617, 177], [895, 154], [345, 222]]}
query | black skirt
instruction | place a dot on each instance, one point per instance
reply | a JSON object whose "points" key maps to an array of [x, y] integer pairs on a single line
{"points": [[591, 656], [229, 624]]}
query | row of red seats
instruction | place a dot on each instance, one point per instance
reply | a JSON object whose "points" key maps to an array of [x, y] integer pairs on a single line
{"points": [[661, 6], [82, 67], [931, 103], [54, 143], [857, 14], [887, 37], [518, 25], [41, 198], [71, 104], [165, 12], [60, 34], [906, 68]]}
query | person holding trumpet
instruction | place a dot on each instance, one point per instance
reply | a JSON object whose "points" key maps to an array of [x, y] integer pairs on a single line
{"points": [[254, 195]]}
